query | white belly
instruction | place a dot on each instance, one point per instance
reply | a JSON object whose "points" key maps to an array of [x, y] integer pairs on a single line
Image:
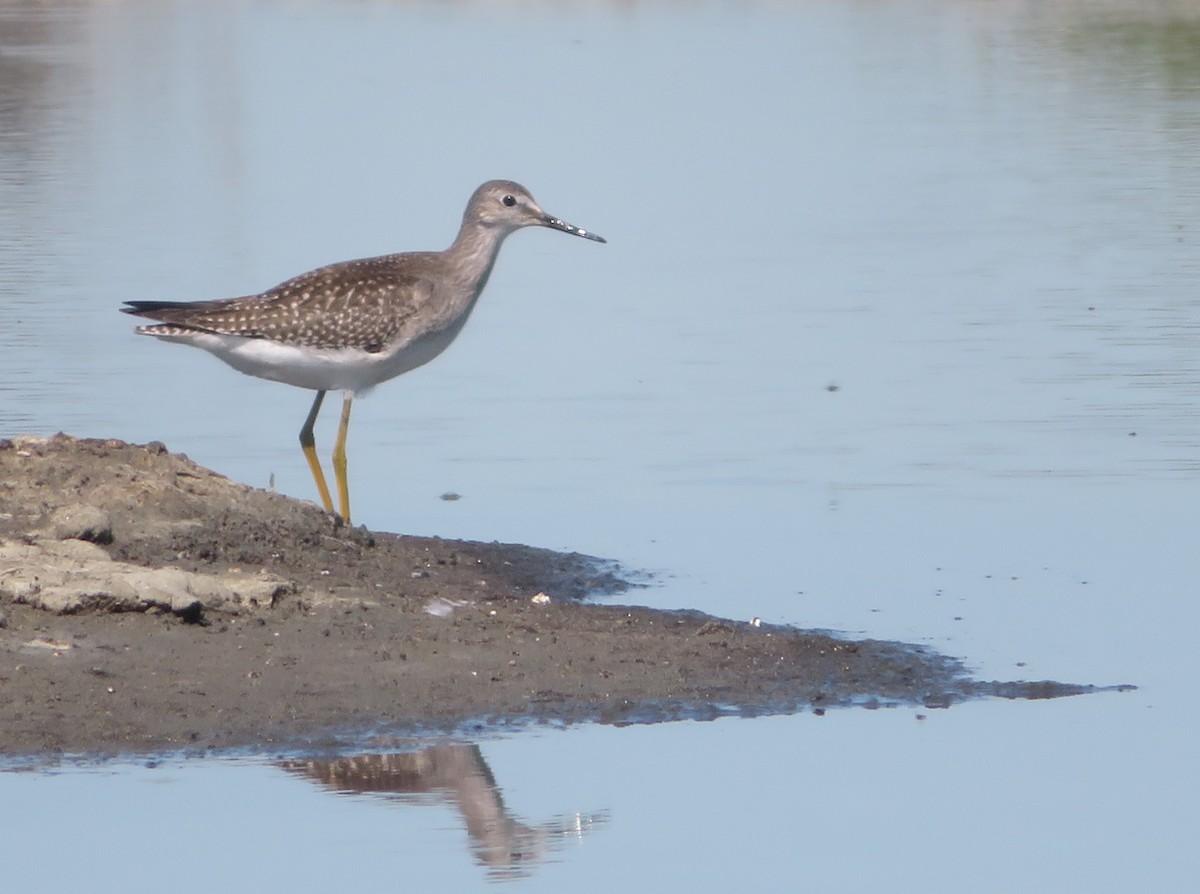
{"points": [[320, 369]]}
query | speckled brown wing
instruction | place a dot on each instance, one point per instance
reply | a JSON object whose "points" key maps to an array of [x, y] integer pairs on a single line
{"points": [[361, 304]]}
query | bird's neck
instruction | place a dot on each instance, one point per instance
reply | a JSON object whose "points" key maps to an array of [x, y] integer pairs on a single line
{"points": [[473, 254]]}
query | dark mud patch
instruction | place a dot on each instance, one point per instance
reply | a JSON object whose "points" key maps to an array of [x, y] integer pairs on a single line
{"points": [[149, 604]]}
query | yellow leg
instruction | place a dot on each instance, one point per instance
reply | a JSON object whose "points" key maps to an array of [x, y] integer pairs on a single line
{"points": [[339, 459], [307, 444]]}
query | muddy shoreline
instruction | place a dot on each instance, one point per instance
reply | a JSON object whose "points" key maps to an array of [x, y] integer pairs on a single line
{"points": [[148, 604]]}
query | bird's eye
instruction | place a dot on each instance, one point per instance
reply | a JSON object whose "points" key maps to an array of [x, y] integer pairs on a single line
{"points": [[509, 201]]}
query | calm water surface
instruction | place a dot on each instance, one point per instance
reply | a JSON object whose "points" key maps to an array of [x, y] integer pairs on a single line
{"points": [[895, 334]]}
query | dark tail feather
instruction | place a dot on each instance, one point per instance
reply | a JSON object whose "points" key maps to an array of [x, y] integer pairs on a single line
{"points": [[148, 308]]}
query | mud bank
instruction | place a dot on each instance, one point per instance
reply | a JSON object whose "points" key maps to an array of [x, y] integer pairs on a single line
{"points": [[149, 604]]}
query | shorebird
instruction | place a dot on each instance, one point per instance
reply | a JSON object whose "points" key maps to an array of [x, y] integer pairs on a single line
{"points": [[351, 325]]}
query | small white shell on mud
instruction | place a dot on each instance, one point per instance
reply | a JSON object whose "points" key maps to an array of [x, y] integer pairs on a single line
{"points": [[443, 608]]}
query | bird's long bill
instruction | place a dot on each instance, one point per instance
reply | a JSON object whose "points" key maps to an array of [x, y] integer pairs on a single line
{"points": [[556, 224]]}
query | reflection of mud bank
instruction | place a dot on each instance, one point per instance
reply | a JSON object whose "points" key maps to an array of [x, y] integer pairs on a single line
{"points": [[147, 603]]}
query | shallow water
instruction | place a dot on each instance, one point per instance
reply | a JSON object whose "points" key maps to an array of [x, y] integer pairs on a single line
{"points": [[894, 334]]}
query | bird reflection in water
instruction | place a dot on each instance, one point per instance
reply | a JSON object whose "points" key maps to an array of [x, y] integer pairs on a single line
{"points": [[455, 774]]}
